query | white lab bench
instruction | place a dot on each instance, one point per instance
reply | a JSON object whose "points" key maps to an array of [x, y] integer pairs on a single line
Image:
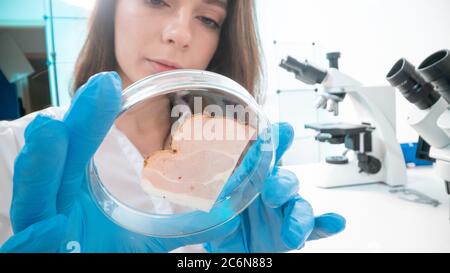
{"points": [[380, 221]]}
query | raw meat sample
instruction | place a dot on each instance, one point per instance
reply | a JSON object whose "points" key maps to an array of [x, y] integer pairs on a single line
{"points": [[204, 152]]}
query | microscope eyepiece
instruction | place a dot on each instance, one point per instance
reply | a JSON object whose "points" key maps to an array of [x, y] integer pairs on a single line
{"points": [[304, 72], [436, 70], [333, 59], [412, 85]]}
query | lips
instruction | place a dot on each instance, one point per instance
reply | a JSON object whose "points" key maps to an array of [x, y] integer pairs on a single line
{"points": [[163, 65]]}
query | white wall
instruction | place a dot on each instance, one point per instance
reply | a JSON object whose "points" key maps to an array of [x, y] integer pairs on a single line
{"points": [[371, 34], [66, 33], [26, 13]]}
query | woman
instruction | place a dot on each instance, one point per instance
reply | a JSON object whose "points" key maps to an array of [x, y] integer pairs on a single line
{"points": [[51, 209]]}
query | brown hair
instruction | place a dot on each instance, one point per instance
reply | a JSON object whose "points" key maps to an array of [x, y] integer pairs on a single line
{"points": [[238, 55]]}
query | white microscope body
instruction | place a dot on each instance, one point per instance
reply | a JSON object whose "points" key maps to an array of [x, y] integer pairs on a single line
{"points": [[433, 125], [428, 88], [374, 105]]}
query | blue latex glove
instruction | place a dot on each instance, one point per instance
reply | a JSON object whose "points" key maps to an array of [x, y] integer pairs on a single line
{"points": [[52, 210], [43, 237], [279, 219]]}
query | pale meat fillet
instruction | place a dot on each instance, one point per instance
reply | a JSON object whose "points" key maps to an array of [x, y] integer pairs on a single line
{"points": [[194, 171]]}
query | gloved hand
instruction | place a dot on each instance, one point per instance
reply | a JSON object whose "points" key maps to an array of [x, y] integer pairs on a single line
{"points": [[52, 210], [43, 237], [279, 219]]}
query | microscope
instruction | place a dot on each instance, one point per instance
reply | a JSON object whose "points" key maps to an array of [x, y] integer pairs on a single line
{"points": [[376, 155], [428, 88]]}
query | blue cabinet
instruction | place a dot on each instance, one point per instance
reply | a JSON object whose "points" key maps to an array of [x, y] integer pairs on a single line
{"points": [[9, 101]]}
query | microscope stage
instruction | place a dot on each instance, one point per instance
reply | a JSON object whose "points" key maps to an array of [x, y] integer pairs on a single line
{"points": [[339, 128]]}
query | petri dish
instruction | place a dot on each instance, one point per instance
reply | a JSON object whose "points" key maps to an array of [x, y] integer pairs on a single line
{"points": [[188, 152]]}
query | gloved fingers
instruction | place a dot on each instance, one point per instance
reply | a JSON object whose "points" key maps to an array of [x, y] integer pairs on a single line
{"points": [[327, 225], [255, 164], [166, 245], [90, 117], [241, 172], [279, 188], [283, 135], [253, 167], [298, 223], [37, 172], [42, 237], [235, 242]]}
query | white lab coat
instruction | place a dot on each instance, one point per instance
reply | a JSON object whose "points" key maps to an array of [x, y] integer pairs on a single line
{"points": [[117, 160]]}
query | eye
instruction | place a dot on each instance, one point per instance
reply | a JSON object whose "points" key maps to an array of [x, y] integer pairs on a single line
{"points": [[209, 22], [156, 3]]}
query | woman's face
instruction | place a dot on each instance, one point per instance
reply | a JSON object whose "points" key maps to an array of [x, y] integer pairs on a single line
{"points": [[152, 36]]}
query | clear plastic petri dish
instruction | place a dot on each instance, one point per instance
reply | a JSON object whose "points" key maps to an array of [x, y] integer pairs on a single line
{"points": [[188, 152]]}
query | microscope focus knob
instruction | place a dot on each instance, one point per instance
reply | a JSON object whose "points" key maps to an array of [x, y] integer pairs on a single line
{"points": [[368, 164]]}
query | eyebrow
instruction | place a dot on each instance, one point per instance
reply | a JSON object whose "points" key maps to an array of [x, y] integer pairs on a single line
{"points": [[220, 3]]}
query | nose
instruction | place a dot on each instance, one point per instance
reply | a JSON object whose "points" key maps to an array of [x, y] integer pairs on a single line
{"points": [[178, 31]]}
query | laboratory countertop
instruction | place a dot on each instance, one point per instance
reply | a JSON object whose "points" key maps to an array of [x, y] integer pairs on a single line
{"points": [[381, 221]]}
